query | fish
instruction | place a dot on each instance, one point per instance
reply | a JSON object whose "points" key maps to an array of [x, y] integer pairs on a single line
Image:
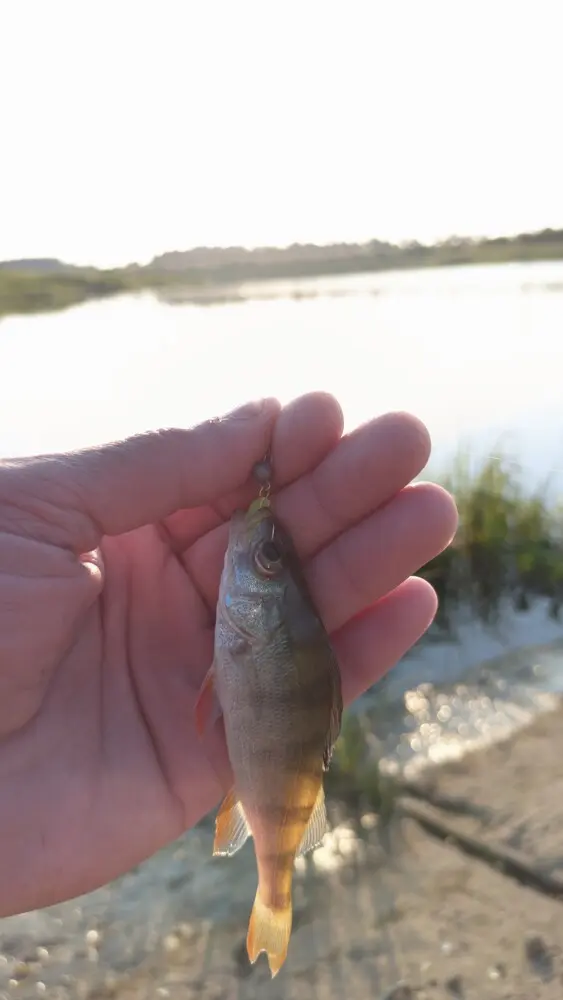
{"points": [[275, 680]]}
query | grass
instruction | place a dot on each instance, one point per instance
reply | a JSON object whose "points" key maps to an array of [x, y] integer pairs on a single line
{"points": [[29, 292], [508, 551], [354, 775], [508, 548], [35, 291]]}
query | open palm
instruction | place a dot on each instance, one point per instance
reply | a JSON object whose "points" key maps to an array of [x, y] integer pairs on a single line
{"points": [[109, 569]]}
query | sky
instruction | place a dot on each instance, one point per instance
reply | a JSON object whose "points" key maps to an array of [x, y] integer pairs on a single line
{"points": [[132, 128]]}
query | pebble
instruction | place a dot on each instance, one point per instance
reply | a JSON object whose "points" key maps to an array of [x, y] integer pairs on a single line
{"points": [[186, 931], [171, 943], [40, 987], [536, 948], [496, 971], [42, 954], [539, 955], [21, 970], [454, 985], [92, 936], [402, 991]]}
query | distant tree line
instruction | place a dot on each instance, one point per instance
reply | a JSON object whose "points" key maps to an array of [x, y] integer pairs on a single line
{"points": [[40, 284]]}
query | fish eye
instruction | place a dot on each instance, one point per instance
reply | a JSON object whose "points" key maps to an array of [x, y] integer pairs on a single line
{"points": [[271, 552], [268, 558]]}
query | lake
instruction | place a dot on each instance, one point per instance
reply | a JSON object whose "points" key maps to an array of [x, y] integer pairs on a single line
{"points": [[476, 352]]}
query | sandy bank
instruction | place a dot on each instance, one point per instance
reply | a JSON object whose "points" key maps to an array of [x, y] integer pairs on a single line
{"points": [[411, 918]]}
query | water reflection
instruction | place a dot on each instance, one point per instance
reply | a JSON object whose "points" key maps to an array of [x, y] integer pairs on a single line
{"points": [[434, 724]]}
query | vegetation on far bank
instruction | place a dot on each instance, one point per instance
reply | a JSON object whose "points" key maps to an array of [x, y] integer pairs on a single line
{"points": [[45, 285], [36, 291]]}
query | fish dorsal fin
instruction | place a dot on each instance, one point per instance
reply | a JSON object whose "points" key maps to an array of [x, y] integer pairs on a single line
{"points": [[231, 827], [316, 827]]}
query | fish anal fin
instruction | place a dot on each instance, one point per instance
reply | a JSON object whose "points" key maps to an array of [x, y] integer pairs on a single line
{"points": [[269, 930], [231, 827], [207, 708], [316, 827]]}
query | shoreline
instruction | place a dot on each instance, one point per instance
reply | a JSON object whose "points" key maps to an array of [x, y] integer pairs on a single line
{"points": [[26, 291], [449, 697]]}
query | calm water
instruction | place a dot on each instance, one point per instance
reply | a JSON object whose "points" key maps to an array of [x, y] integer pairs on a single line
{"points": [[476, 352]]}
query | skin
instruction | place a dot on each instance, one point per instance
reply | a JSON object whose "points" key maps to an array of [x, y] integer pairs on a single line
{"points": [[102, 656]]}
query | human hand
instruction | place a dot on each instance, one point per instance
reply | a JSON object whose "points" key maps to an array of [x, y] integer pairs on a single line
{"points": [[109, 568]]}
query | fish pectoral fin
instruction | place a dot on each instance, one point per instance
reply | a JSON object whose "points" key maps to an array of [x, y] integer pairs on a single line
{"points": [[316, 827], [231, 827], [207, 708], [269, 930]]}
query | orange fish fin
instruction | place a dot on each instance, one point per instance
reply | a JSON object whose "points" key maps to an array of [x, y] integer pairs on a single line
{"points": [[231, 827], [335, 714], [269, 930], [207, 706], [316, 827]]}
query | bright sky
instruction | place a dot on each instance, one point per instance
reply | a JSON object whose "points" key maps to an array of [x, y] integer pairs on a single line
{"points": [[131, 127]]}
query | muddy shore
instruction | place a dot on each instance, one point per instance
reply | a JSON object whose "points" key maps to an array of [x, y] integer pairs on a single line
{"points": [[406, 915]]}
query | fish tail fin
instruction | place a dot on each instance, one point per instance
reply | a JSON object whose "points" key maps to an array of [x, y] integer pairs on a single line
{"points": [[269, 930]]}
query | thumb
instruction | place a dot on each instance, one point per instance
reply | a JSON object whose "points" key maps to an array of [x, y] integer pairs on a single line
{"points": [[74, 499]]}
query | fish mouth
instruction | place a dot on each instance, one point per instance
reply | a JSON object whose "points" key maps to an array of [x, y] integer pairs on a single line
{"points": [[242, 528], [244, 522], [259, 510]]}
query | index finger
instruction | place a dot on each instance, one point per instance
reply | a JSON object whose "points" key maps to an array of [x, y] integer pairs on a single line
{"points": [[74, 499]]}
